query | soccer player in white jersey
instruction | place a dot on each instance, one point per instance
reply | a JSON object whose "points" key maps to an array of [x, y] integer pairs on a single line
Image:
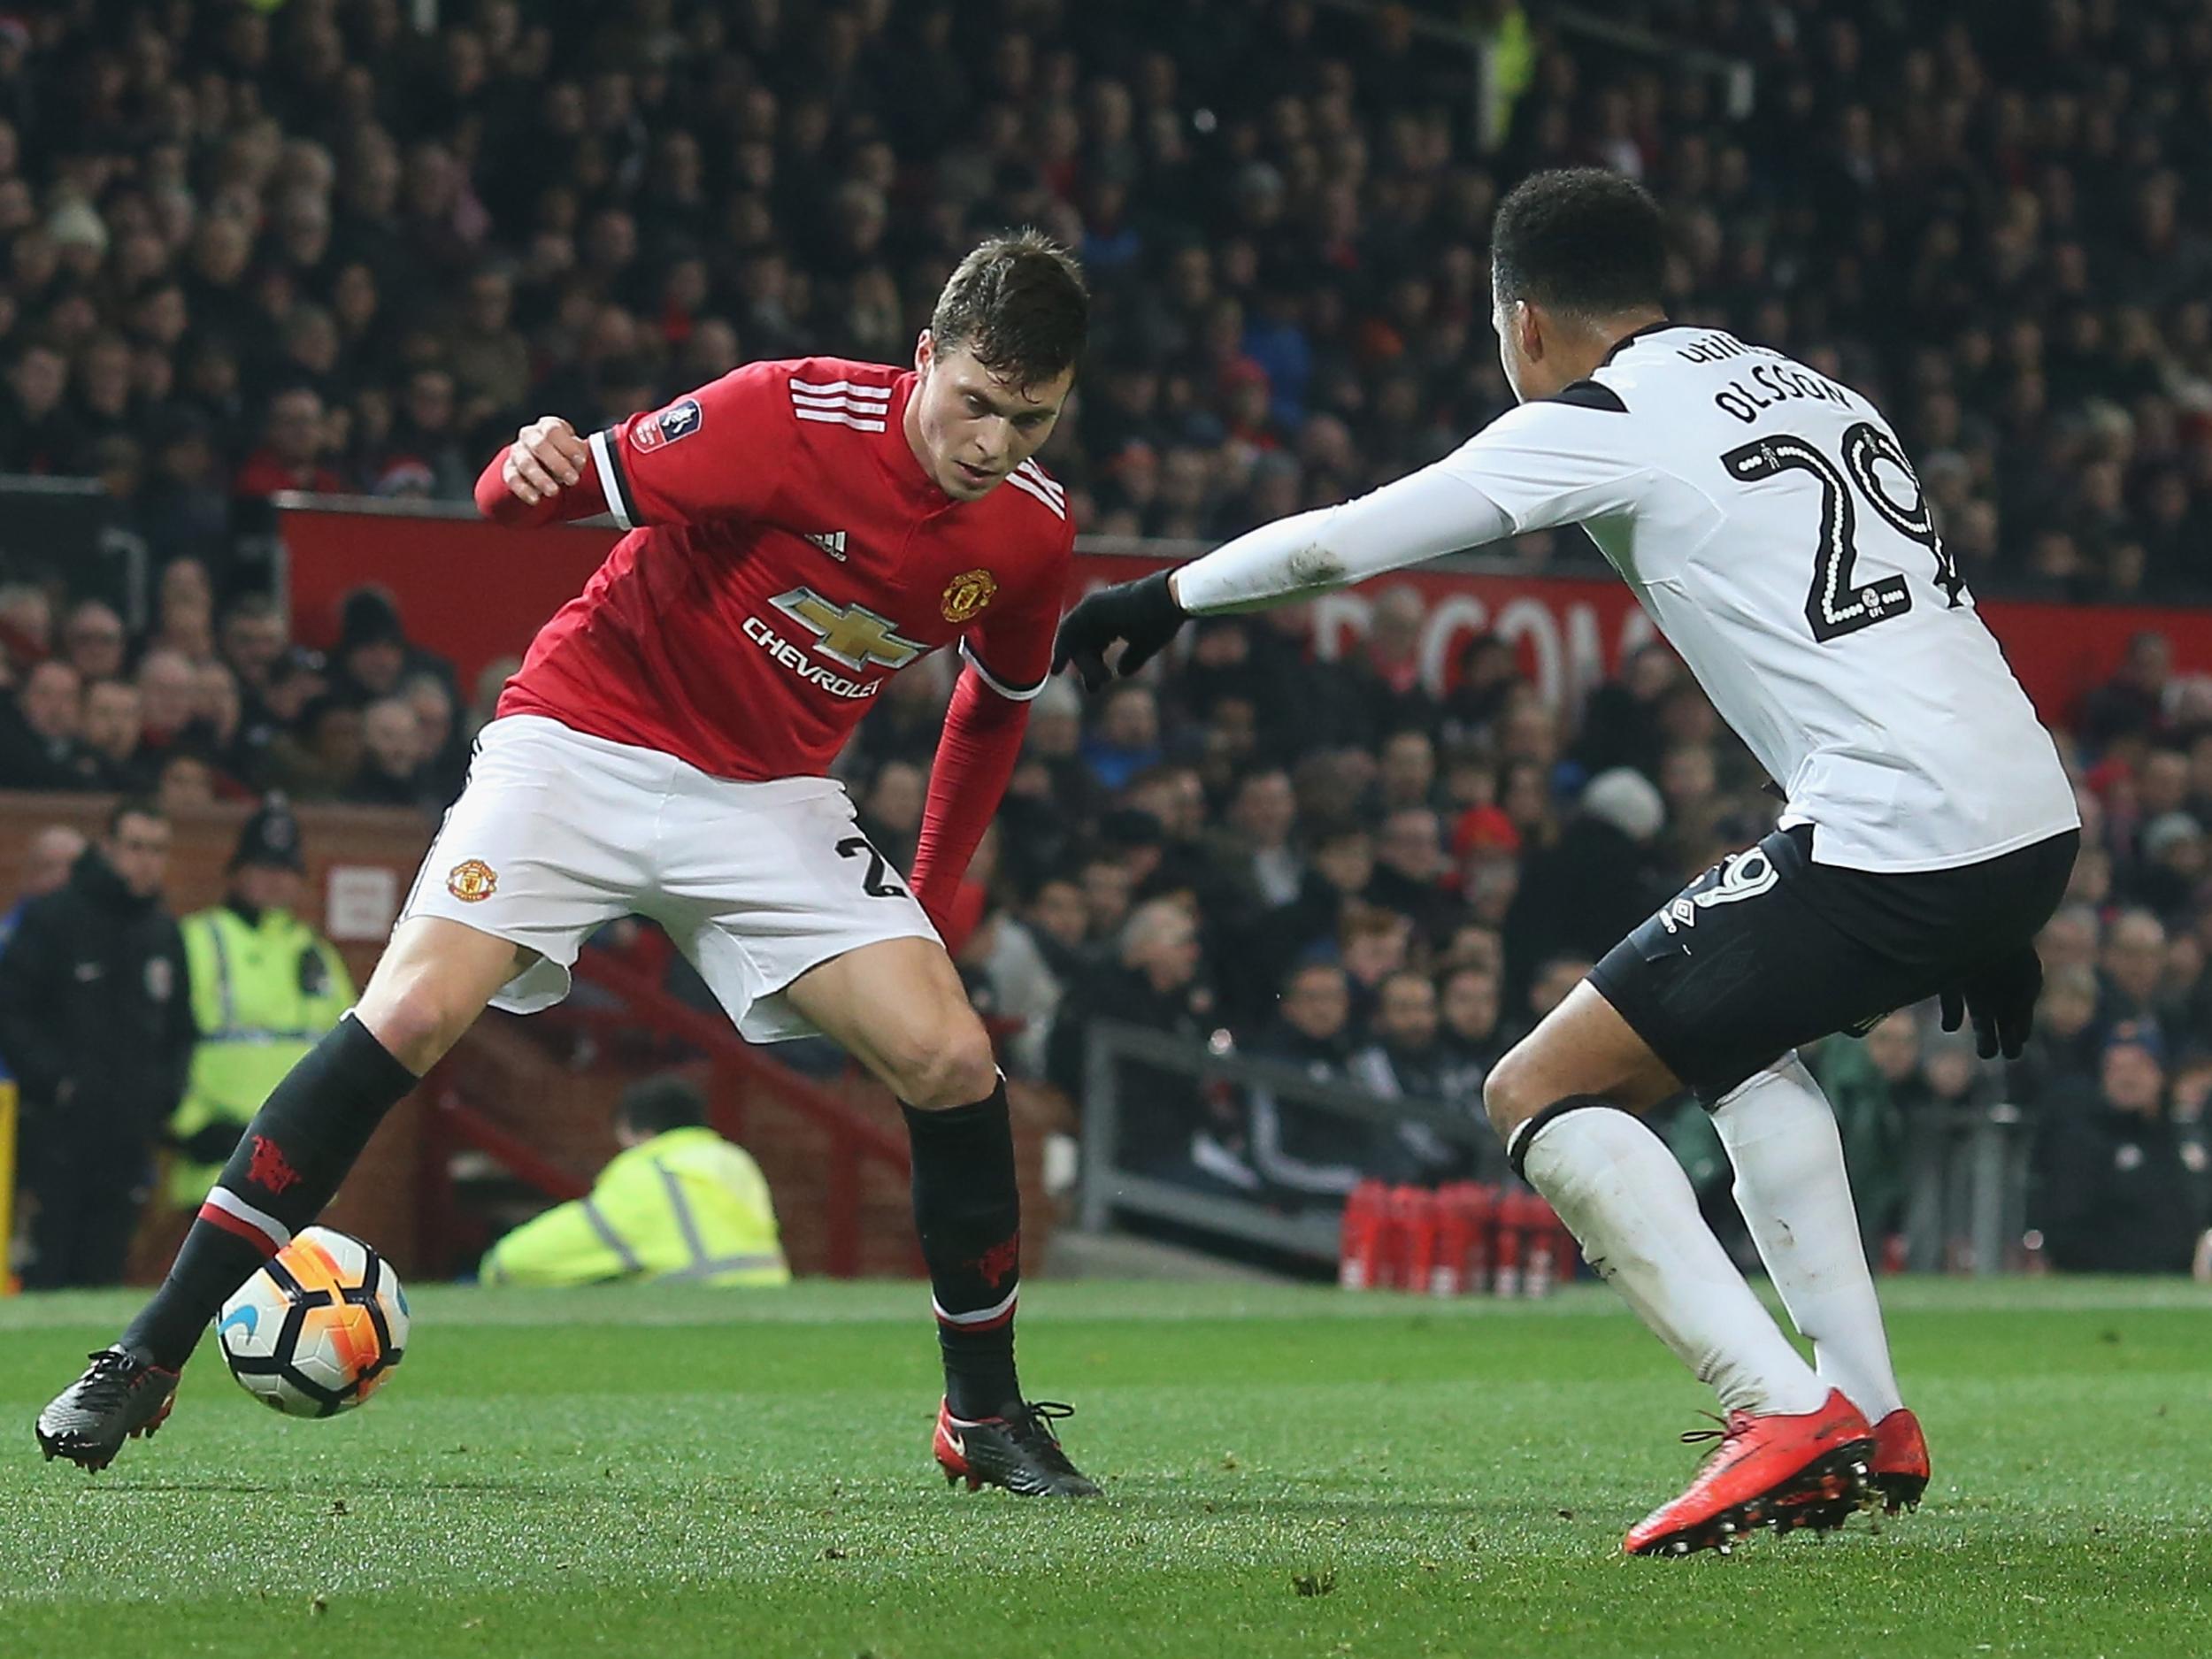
{"points": [[1772, 524]]}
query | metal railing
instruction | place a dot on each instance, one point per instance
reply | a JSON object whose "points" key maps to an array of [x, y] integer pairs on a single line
{"points": [[1966, 1189], [1967, 1169], [1119, 1182]]}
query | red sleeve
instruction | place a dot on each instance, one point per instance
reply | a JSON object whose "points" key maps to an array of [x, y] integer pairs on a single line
{"points": [[719, 453], [975, 754], [1009, 658], [1012, 646]]}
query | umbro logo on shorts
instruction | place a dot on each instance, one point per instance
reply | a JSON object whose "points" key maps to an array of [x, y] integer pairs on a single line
{"points": [[1740, 875]]}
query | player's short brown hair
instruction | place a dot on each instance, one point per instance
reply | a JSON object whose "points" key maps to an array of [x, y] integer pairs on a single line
{"points": [[1017, 303]]}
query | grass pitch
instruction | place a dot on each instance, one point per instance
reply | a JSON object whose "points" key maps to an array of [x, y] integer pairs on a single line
{"points": [[680, 1472]]}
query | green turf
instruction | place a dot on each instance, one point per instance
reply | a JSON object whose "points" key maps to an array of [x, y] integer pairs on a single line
{"points": [[671, 1474]]}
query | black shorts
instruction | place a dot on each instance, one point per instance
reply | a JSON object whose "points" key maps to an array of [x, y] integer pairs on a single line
{"points": [[1768, 949]]}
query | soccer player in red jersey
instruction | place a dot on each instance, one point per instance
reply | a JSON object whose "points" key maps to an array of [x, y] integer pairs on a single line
{"points": [[798, 532]]}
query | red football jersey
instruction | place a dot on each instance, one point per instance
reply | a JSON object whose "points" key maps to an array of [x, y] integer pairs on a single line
{"points": [[787, 555]]}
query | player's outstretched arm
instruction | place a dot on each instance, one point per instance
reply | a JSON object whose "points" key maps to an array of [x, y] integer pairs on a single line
{"points": [[545, 476], [1424, 515]]}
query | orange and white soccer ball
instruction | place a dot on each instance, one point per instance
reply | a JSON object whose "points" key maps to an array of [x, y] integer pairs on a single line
{"points": [[318, 1330]]}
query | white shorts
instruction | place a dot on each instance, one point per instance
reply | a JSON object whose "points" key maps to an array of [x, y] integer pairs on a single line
{"points": [[557, 833]]}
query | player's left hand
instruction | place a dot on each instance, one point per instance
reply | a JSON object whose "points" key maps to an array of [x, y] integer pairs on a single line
{"points": [[1142, 614], [1999, 997], [545, 459]]}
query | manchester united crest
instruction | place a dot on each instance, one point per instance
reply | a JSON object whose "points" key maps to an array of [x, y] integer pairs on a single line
{"points": [[472, 881], [968, 593]]}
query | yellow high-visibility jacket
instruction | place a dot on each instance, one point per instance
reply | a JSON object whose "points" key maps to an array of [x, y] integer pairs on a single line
{"points": [[264, 993], [684, 1205]]}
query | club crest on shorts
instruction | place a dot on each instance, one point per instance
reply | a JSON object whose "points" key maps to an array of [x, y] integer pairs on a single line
{"points": [[967, 594], [472, 881]]}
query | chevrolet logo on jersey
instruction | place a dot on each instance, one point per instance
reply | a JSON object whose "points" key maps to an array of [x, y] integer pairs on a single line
{"points": [[854, 634]]}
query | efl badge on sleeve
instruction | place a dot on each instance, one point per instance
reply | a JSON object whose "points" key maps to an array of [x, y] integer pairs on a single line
{"points": [[679, 420], [967, 594]]}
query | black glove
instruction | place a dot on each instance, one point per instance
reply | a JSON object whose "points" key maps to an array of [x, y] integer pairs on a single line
{"points": [[1142, 613], [2000, 996]]}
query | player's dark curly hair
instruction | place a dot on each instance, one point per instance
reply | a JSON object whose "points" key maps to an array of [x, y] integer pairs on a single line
{"points": [[655, 1105], [1018, 304], [1580, 239]]}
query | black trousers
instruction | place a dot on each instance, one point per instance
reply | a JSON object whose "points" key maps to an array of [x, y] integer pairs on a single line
{"points": [[89, 1197]]}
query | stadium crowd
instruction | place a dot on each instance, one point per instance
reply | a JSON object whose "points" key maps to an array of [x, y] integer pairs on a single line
{"points": [[258, 248]]}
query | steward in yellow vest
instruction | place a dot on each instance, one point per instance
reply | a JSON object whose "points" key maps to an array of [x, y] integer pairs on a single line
{"points": [[678, 1203], [264, 990]]}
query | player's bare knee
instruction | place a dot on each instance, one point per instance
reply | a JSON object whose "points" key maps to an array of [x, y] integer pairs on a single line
{"points": [[415, 1018], [1509, 1094], [953, 1066]]}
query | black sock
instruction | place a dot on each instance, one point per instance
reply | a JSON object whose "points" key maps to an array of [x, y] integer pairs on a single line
{"points": [[967, 1207], [289, 1163]]}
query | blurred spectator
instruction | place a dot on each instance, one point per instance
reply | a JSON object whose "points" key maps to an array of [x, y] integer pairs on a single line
{"points": [[2063, 1052], [391, 769], [1470, 1001], [1410, 866], [39, 729], [168, 692], [373, 653], [678, 1203], [1263, 867], [184, 620], [96, 1023], [2134, 961], [1128, 734], [27, 626], [1598, 880], [265, 989], [295, 438], [1299, 1150], [445, 750], [93, 640], [1156, 984], [322, 763], [183, 782], [2115, 1195], [890, 812], [48, 858], [113, 724], [1405, 1059]]}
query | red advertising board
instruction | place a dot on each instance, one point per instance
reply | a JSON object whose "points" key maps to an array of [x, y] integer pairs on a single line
{"points": [[473, 592]]}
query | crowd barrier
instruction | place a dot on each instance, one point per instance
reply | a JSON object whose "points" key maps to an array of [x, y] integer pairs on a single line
{"points": [[1475, 1229], [476, 593]]}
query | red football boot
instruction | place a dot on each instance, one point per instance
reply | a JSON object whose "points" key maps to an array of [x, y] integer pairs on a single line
{"points": [[1900, 1461], [1764, 1469]]}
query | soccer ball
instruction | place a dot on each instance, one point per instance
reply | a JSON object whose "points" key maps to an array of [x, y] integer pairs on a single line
{"points": [[316, 1330]]}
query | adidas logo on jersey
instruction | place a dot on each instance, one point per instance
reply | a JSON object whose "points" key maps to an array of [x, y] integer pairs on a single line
{"points": [[831, 541]]}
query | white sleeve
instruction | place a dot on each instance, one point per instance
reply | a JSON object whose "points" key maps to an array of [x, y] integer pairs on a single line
{"points": [[1544, 463], [1560, 460], [1419, 516]]}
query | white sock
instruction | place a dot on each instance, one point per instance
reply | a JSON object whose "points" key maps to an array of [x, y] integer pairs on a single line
{"points": [[1623, 1196], [1781, 1134]]}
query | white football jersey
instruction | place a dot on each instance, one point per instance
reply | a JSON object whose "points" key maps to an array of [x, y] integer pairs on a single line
{"points": [[1769, 522]]}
